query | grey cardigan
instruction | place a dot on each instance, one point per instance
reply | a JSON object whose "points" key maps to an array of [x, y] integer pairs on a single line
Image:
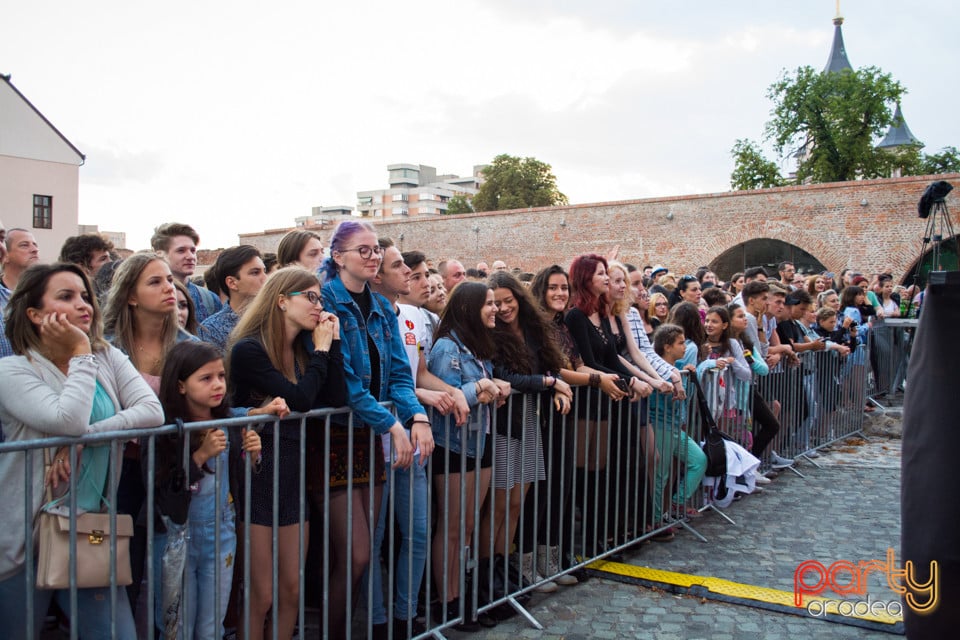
{"points": [[36, 401]]}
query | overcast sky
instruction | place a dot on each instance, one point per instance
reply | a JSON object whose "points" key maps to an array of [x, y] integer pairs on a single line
{"points": [[240, 116]]}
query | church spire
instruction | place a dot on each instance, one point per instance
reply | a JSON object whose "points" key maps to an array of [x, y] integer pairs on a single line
{"points": [[899, 133], [838, 53]]}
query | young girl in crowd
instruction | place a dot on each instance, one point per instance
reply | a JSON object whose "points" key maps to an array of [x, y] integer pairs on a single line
{"points": [[462, 357], [375, 370], [286, 346], [193, 388], [724, 354]]}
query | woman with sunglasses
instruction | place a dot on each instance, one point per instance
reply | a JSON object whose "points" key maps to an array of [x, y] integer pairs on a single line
{"points": [[285, 346], [376, 370]]}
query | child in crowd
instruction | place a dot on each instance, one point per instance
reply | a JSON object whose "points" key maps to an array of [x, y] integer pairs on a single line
{"points": [[193, 388], [668, 417]]}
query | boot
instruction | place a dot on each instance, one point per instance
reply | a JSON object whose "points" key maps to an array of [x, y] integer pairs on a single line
{"points": [[530, 575]]}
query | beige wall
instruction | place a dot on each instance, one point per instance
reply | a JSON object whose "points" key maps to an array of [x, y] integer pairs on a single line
{"points": [[20, 179]]}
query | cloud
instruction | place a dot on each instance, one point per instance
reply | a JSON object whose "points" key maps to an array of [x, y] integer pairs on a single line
{"points": [[106, 166]]}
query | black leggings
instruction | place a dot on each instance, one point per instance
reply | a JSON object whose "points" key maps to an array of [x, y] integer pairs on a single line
{"points": [[765, 425]]}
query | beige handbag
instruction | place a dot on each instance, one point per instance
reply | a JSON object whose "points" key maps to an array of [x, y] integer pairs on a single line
{"points": [[93, 547]]}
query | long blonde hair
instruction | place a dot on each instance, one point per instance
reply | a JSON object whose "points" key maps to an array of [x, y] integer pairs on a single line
{"points": [[263, 319], [619, 307], [118, 316]]}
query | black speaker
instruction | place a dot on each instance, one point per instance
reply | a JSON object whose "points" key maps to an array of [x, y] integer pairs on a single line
{"points": [[929, 506]]}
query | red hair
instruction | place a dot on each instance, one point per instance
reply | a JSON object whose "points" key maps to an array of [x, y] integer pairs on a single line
{"points": [[582, 270]]}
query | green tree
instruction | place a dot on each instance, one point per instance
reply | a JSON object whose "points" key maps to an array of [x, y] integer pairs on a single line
{"points": [[459, 204], [751, 169], [517, 183], [829, 122], [947, 161]]}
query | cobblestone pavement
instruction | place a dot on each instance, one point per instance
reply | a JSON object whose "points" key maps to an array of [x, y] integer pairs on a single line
{"points": [[846, 510]]}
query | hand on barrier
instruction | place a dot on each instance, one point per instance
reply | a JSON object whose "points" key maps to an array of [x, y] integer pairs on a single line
{"points": [[608, 384], [402, 447], [504, 388], [276, 407], [562, 403], [214, 443], [442, 401], [461, 410], [251, 444], [60, 466], [421, 435]]}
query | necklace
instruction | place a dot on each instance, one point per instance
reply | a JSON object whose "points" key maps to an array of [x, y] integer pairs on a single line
{"points": [[145, 356]]}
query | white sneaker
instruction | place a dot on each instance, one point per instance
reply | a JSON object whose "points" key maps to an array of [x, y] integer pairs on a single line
{"points": [[812, 453], [762, 480], [548, 564], [531, 576], [780, 463]]}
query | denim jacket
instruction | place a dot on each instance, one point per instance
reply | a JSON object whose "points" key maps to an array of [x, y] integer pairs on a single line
{"points": [[453, 363], [396, 381]]}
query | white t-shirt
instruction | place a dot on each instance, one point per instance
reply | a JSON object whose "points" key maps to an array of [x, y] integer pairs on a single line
{"points": [[411, 322]]}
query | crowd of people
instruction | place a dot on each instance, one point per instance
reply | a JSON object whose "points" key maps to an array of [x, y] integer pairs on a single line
{"points": [[512, 386]]}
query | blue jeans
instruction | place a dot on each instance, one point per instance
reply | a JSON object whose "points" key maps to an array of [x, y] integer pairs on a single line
{"points": [[412, 560], [202, 605], [93, 615]]}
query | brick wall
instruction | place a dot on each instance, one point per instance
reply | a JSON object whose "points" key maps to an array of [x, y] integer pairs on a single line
{"points": [[826, 220]]}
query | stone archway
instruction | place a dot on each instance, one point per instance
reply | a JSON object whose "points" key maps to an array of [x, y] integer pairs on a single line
{"points": [[766, 253], [949, 261]]}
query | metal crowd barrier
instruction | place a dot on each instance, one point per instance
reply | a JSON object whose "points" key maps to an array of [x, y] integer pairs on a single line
{"points": [[817, 402], [890, 341], [602, 481]]}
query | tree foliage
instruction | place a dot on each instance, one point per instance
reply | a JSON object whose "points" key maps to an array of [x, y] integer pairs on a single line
{"points": [[947, 161], [459, 204], [517, 183], [751, 169], [829, 121]]}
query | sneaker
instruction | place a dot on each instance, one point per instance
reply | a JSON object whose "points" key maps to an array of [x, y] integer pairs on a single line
{"points": [[531, 576], [812, 453], [762, 480], [780, 463], [548, 564], [757, 489]]}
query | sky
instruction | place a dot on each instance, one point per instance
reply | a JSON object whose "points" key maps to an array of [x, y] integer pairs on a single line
{"points": [[240, 116]]}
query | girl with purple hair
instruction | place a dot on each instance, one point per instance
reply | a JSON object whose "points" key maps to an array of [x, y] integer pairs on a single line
{"points": [[376, 370]]}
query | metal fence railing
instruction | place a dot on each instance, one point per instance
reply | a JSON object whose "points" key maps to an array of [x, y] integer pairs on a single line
{"points": [[453, 541], [890, 341]]}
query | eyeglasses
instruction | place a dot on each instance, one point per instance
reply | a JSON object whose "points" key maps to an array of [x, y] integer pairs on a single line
{"points": [[312, 296], [688, 279], [365, 251]]}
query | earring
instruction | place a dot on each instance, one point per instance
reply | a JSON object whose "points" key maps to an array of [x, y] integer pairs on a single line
{"points": [[283, 308]]}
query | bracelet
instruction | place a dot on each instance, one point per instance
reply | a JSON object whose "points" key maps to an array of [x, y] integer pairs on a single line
{"points": [[551, 384], [85, 357], [594, 380], [421, 422]]}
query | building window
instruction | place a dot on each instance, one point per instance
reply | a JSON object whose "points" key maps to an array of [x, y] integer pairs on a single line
{"points": [[42, 212]]}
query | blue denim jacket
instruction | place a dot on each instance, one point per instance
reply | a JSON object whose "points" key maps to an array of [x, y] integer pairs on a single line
{"points": [[396, 381], [453, 363]]}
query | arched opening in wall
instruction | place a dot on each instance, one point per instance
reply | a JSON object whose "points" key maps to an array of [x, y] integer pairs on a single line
{"points": [[949, 261], [766, 253]]}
